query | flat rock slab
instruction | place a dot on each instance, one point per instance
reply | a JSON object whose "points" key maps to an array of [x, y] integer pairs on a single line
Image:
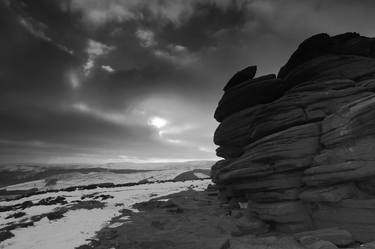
{"points": [[337, 236], [355, 216], [271, 242]]}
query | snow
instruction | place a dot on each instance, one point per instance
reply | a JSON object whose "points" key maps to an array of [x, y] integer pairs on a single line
{"points": [[200, 175], [26, 185], [31, 211], [76, 179], [80, 225]]}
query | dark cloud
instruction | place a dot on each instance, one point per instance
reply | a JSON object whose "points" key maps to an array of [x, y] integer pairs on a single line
{"points": [[206, 20], [84, 79]]}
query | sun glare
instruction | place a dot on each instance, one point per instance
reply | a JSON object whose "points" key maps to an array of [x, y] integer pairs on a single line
{"points": [[158, 122]]}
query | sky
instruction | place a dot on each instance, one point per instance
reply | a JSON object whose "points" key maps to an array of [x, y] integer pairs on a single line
{"points": [[139, 80]]}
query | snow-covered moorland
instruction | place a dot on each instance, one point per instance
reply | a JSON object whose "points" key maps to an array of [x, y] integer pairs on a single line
{"points": [[69, 219]]}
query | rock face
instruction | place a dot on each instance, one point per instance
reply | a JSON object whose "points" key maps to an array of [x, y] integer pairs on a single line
{"points": [[300, 147]]}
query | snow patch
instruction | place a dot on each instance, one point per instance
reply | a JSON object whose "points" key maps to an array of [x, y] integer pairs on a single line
{"points": [[80, 225]]}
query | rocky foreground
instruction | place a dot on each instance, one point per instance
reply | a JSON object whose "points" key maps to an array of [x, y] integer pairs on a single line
{"points": [[299, 147], [191, 219]]}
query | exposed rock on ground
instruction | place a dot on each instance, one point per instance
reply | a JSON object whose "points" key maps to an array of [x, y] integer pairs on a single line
{"points": [[204, 222], [300, 148]]}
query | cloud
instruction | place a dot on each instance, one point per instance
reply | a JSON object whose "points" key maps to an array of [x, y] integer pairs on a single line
{"points": [[35, 28], [97, 12], [107, 68], [83, 78], [175, 58], [146, 38], [95, 49]]}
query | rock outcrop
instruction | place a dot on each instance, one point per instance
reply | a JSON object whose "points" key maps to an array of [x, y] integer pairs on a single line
{"points": [[300, 147]]}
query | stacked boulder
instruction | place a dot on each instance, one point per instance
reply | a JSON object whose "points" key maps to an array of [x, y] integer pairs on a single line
{"points": [[300, 147]]}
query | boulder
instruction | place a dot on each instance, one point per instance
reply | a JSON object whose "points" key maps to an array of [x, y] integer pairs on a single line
{"points": [[215, 169], [274, 196], [323, 85], [333, 193], [300, 148], [322, 44], [337, 236], [266, 183], [367, 186], [248, 95], [331, 67], [355, 216], [235, 129], [255, 80], [296, 108], [269, 242], [281, 212], [314, 243], [250, 225], [292, 227], [369, 245], [360, 149], [229, 152], [245, 74], [339, 172], [287, 150], [310, 48]]}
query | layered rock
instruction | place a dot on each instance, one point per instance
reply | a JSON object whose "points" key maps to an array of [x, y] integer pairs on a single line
{"points": [[300, 148]]}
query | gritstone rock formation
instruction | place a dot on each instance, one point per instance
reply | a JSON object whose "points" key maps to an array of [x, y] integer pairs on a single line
{"points": [[300, 147]]}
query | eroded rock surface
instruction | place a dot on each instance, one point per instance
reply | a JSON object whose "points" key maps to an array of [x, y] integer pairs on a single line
{"points": [[300, 148]]}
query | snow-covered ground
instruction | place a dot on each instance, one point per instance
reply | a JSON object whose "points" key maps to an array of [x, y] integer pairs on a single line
{"points": [[77, 226], [76, 179]]}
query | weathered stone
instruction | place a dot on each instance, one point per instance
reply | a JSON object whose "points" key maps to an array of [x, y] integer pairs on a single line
{"points": [[296, 108], [361, 149], [337, 236], [281, 212], [323, 85], [369, 84], [287, 150], [310, 48], [340, 172], [241, 76], [270, 242], [353, 43], [217, 167], [356, 216], [331, 67], [274, 196], [370, 245], [229, 152], [304, 144], [322, 44], [352, 121], [226, 226], [367, 186], [319, 244], [292, 227], [255, 80], [235, 129], [250, 225], [268, 183], [333, 193], [247, 96]]}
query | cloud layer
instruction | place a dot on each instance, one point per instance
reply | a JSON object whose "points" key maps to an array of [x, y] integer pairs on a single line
{"points": [[93, 80]]}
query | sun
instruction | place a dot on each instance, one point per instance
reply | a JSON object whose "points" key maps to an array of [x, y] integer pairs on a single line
{"points": [[158, 122]]}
